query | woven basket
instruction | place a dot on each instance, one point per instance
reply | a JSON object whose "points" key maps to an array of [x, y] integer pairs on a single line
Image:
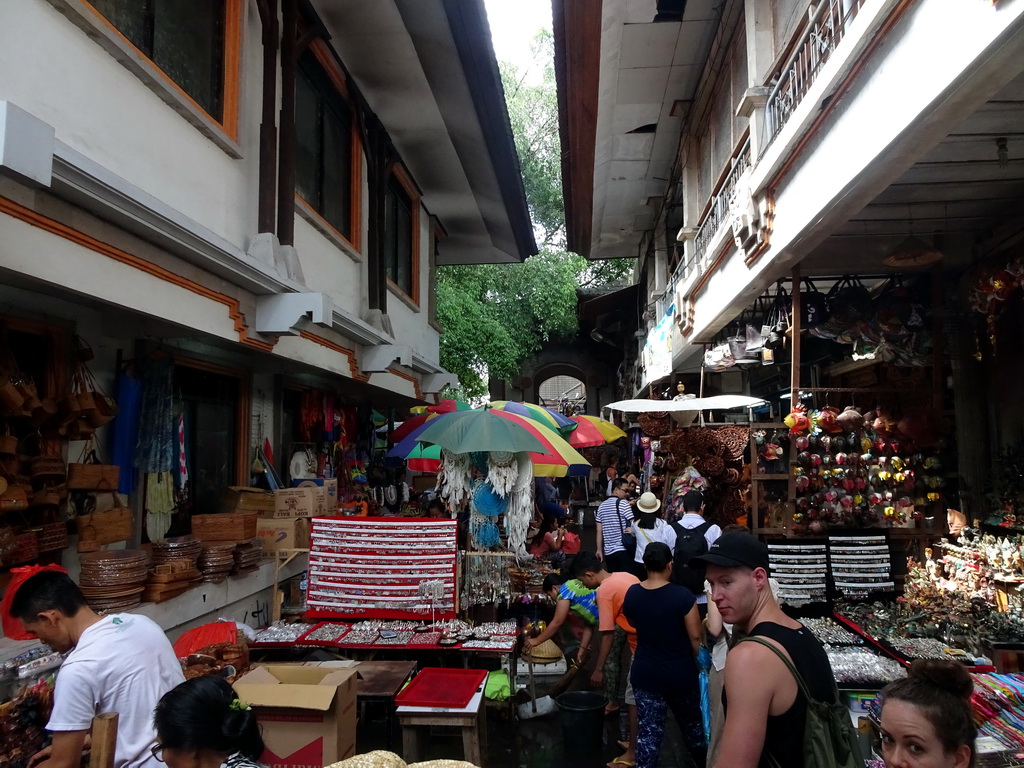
{"points": [[377, 759], [53, 537], [15, 498], [103, 528], [26, 548], [225, 526], [545, 653], [47, 468], [90, 476]]}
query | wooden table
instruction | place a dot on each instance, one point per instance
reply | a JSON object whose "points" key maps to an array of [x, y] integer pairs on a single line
{"points": [[472, 719], [381, 681]]}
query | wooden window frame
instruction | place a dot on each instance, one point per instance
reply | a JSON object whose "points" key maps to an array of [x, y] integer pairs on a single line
{"points": [[243, 409], [325, 58], [234, 17], [399, 174]]}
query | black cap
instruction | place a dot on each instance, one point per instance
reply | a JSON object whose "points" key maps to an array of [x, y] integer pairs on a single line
{"points": [[734, 550]]}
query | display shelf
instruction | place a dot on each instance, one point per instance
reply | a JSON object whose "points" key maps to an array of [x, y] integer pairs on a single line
{"points": [[776, 476]]}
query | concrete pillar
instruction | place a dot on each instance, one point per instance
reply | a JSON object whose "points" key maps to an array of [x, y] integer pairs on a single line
{"points": [[760, 41]]}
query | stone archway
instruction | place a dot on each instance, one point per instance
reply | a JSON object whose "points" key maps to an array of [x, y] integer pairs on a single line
{"points": [[596, 368]]}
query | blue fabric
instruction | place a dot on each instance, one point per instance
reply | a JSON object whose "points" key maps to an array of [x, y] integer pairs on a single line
{"points": [[126, 429], [157, 447], [704, 665]]}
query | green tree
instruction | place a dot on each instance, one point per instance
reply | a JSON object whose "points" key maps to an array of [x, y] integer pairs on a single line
{"points": [[495, 316]]}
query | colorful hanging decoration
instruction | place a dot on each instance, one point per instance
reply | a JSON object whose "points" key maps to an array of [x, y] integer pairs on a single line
{"points": [[800, 422], [989, 295], [487, 501]]}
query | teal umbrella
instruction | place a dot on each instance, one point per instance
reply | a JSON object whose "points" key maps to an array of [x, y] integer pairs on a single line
{"points": [[468, 431]]}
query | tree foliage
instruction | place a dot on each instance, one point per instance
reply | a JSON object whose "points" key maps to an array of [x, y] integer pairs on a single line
{"points": [[495, 316]]}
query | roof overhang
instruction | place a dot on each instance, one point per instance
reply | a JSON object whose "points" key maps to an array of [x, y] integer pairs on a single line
{"points": [[625, 86], [427, 69]]}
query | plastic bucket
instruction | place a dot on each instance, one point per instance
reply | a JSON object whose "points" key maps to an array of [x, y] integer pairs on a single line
{"points": [[582, 714]]}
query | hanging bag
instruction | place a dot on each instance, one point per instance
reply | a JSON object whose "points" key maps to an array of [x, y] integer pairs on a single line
{"points": [[628, 539], [88, 474], [98, 528]]}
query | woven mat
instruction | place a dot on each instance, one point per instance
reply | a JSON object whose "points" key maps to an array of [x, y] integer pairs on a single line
{"points": [[381, 759]]}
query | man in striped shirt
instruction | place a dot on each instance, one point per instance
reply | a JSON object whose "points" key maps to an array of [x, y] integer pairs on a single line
{"points": [[614, 516]]}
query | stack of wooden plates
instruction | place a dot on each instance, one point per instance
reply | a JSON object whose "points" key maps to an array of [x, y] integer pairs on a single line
{"points": [[248, 556], [217, 559], [113, 580], [177, 548]]}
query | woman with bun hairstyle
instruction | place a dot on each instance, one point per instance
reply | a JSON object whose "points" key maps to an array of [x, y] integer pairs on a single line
{"points": [[202, 724], [926, 717]]}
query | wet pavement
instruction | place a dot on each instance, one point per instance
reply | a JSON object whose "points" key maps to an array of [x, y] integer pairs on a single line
{"points": [[512, 743]]}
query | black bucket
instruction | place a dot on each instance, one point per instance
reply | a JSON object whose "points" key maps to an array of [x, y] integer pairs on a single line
{"points": [[582, 714]]}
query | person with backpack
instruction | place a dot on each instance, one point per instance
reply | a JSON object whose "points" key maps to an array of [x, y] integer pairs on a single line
{"points": [[694, 535], [782, 708]]}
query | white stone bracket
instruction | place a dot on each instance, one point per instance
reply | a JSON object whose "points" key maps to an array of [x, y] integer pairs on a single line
{"points": [[289, 313]]}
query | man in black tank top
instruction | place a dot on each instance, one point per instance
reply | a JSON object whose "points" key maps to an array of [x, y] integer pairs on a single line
{"points": [[766, 712]]}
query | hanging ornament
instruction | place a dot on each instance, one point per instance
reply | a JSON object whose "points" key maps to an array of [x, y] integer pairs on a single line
{"points": [[457, 475], [502, 471]]}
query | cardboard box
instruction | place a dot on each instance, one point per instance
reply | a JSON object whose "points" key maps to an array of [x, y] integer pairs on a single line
{"points": [[307, 714], [330, 486], [238, 498], [283, 533], [296, 502]]}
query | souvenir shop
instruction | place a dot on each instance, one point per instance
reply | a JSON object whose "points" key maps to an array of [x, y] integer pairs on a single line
{"points": [[850, 471]]}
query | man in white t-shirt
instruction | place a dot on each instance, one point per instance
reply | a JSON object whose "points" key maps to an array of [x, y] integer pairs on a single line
{"points": [[693, 520], [119, 663]]}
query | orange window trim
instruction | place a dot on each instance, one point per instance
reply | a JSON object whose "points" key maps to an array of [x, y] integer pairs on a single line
{"points": [[322, 52], [233, 18], [414, 204], [242, 408], [324, 222]]}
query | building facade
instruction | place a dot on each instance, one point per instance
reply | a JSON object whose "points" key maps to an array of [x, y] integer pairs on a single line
{"points": [[261, 189]]}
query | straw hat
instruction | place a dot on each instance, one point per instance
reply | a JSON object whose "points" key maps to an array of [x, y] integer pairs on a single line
{"points": [[648, 503], [545, 653], [377, 759]]}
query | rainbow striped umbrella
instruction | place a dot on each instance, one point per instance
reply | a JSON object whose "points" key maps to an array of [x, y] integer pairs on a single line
{"points": [[610, 431], [549, 418], [586, 435], [559, 458]]}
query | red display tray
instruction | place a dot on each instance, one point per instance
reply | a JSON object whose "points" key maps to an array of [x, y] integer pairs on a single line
{"points": [[436, 687]]}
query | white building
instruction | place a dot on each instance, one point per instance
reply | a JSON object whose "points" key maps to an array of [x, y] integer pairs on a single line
{"points": [[725, 143], [154, 193]]}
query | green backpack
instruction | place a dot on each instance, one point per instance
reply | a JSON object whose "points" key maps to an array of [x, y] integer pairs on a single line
{"points": [[830, 740]]}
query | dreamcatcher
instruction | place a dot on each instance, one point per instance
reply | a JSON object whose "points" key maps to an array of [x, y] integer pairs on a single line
{"points": [[457, 476], [520, 506], [502, 471]]}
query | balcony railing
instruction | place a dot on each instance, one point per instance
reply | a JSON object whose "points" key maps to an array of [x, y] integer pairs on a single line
{"points": [[716, 215], [827, 26]]}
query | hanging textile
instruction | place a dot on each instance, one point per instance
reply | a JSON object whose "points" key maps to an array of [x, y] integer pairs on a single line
{"points": [[156, 447], [159, 504], [126, 427], [182, 462]]}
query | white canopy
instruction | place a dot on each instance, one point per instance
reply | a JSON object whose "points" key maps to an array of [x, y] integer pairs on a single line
{"points": [[716, 403]]}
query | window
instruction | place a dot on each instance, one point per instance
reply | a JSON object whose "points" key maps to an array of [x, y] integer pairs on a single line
{"points": [[324, 136], [184, 38], [400, 222]]}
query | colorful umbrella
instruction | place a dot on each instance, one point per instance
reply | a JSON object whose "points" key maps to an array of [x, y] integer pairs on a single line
{"points": [[480, 430], [559, 458], [417, 456], [610, 431], [549, 418], [586, 435], [423, 414]]}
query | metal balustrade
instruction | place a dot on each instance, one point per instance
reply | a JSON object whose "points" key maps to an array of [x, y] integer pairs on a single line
{"points": [[829, 21]]}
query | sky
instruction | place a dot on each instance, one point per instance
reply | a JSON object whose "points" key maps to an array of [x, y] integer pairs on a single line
{"points": [[513, 26]]}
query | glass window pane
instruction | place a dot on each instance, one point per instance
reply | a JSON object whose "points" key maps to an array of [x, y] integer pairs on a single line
{"points": [[307, 141], [337, 192], [129, 18], [404, 232], [390, 234], [188, 44]]}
